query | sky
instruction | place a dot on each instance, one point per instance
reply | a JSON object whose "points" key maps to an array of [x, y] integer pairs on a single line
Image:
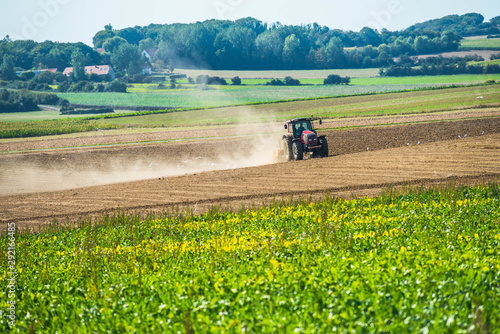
{"points": [[80, 20]]}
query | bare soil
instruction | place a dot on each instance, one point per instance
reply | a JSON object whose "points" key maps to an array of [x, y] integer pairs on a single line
{"points": [[40, 186]]}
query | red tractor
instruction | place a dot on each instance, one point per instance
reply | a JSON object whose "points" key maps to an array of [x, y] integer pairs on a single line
{"points": [[302, 138]]}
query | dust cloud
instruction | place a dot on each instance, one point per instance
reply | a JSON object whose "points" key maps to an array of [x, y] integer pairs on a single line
{"points": [[253, 145], [54, 170]]}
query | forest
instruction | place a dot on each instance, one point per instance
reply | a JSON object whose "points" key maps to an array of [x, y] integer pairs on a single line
{"points": [[247, 44]]}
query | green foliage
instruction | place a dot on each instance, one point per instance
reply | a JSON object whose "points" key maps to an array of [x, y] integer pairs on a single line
{"points": [[422, 261], [72, 111], [23, 100], [209, 80], [116, 86], [7, 68], [50, 128], [236, 81], [127, 59], [112, 44], [78, 64], [46, 77], [335, 79], [480, 44], [289, 81], [470, 24]]}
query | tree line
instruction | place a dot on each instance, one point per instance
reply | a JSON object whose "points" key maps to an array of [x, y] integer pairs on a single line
{"points": [[246, 44], [411, 66], [242, 44]]}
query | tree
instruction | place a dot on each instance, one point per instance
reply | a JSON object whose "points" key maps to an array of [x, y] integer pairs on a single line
{"points": [[147, 43], [78, 64], [269, 49], [334, 51], [450, 40], [495, 21], [103, 35], [291, 50], [46, 77], [7, 68], [127, 59], [111, 44], [236, 81]]}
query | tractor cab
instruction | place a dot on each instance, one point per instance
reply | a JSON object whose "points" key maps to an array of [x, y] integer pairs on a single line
{"points": [[297, 126], [301, 137]]}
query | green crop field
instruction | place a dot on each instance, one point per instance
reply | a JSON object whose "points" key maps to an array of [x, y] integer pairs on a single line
{"points": [[217, 96], [330, 108], [414, 102], [297, 74], [485, 63], [480, 44], [429, 79], [419, 262]]}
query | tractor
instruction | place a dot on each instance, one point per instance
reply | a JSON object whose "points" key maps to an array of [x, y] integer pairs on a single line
{"points": [[301, 138]]}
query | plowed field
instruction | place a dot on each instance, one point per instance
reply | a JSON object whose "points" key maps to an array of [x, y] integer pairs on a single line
{"points": [[40, 186]]}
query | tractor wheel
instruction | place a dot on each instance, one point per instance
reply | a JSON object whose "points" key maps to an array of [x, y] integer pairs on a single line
{"points": [[324, 147], [287, 149], [298, 152]]}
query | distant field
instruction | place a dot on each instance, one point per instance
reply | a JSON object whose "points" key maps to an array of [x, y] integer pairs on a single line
{"points": [[485, 63], [332, 108], [433, 79], [304, 74], [414, 102], [480, 44], [217, 96]]}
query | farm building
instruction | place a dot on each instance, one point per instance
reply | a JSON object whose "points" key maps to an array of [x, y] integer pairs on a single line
{"points": [[94, 69], [149, 53]]}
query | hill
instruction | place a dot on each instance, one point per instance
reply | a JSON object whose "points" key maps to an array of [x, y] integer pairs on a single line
{"points": [[465, 25]]}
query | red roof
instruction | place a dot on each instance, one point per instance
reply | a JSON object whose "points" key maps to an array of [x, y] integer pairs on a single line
{"points": [[97, 69]]}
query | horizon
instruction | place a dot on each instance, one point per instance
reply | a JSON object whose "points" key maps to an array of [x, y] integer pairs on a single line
{"points": [[42, 20]]}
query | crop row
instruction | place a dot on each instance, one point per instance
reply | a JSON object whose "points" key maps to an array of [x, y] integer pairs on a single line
{"points": [[50, 127], [423, 261]]}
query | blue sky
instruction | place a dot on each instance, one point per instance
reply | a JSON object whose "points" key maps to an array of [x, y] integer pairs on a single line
{"points": [[78, 20]]}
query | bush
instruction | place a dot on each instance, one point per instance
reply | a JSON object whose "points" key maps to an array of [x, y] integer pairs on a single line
{"points": [[46, 77], [19, 101], [26, 76], [334, 79], [77, 87], [63, 87], [289, 81], [72, 111], [236, 81], [99, 88], [136, 78], [275, 82], [116, 86], [207, 80]]}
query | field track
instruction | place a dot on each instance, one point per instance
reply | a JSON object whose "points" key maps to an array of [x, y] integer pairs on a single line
{"points": [[364, 161]]}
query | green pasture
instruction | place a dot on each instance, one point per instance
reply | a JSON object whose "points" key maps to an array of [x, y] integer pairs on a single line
{"points": [[480, 44]]}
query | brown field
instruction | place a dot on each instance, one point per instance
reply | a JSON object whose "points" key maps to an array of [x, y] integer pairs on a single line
{"points": [[39, 186]]}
